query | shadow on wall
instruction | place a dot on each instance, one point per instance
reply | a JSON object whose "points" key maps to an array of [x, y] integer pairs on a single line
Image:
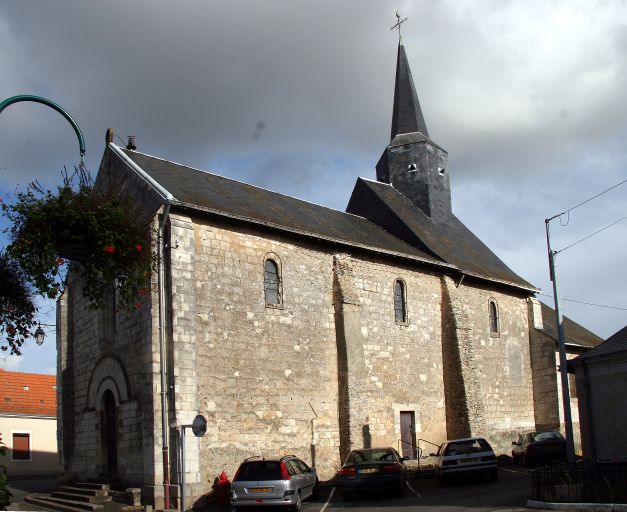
{"points": [[365, 431], [41, 464]]}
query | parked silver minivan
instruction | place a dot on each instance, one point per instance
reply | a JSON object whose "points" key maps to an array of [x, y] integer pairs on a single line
{"points": [[285, 481]]}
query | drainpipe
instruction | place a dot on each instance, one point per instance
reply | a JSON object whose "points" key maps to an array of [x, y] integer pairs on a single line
{"points": [[167, 199], [162, 358]]}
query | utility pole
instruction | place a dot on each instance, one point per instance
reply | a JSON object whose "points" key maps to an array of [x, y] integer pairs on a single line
{"points": [[568, 421]]}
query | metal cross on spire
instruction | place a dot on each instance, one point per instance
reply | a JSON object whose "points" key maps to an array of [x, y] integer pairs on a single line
{"points": [[399, 22]]}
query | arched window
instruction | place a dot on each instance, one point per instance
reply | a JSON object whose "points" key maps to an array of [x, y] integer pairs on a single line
{"points": [[400, 305], [272, 283], [493, 312]]}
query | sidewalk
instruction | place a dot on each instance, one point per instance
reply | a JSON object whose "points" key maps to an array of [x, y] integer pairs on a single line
{"points": [[20, 488]]}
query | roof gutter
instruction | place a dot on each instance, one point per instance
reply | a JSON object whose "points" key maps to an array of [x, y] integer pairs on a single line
{"points": [[165, 195], [168, 198]]}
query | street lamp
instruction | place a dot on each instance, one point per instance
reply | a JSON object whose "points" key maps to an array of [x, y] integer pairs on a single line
{"points": [[40, 334]]}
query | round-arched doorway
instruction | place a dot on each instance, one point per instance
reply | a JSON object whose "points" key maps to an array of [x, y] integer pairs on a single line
{"points": [[109, 432]]}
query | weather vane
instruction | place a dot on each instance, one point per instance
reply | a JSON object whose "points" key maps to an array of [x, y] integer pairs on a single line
{"points": [[399, 22]]}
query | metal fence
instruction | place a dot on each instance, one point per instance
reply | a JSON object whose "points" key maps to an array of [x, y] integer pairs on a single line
{"points": [[581, 482]]}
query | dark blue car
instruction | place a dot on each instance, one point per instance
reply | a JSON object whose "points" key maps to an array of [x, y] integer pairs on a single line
{"points": [[373, 469]]}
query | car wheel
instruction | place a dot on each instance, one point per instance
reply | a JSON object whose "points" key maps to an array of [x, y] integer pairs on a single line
{"points": [[443, 479], [315, 493], [526, 462], [346, 496], [298, 503], [494, 476]]}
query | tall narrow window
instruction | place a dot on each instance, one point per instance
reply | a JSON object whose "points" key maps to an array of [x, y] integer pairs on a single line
{"points": [[21, 447], [272, 282], [494, 317], [400, 306]]}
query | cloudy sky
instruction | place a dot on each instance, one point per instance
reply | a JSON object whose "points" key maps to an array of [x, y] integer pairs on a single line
{"points": [[527, 96]]}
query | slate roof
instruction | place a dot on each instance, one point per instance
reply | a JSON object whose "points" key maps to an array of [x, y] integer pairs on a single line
{"points": [[28, 394], [574, 334], [406, 115], [448, 240], [613, 345], [223, 196]]}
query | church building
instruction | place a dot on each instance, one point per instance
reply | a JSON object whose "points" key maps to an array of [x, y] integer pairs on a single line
{"points": [[295, 328]]}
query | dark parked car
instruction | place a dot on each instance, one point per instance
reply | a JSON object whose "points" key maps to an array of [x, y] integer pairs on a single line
{"points": [[373, 469], [284, 481], [539, 447], [465, 457]]}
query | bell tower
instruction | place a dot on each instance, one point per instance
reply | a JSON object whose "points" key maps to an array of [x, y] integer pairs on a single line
{"points": [[412, 163]]}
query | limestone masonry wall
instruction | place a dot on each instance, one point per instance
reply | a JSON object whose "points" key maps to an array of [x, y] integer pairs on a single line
{"points": [[267, 375]]}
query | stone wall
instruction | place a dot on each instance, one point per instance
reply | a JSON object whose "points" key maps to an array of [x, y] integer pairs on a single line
{"points": [[488, 382], [93, 359], [267, 375]]}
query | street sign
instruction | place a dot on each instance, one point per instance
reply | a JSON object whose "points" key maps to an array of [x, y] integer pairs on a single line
{"points": [[199, 426]]}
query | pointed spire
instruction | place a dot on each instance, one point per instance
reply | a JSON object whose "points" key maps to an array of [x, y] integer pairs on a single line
{"points": [[406, 116]]}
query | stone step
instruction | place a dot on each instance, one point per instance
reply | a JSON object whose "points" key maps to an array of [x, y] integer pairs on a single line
{"points": [[79, 505], [84, 491], [47, 503], [91, 485], [85, 498]]}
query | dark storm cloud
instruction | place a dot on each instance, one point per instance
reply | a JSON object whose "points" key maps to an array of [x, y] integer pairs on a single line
{"points": [[296, 96]]}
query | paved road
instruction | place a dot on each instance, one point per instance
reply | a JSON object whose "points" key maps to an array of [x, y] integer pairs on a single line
{"points": [[21, 488], [510, 493]]}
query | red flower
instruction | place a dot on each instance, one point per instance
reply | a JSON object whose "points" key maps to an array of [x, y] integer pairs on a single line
{"points": [[60, 261], [137, 305], [29, 242], [138, 247], [109, 248]]}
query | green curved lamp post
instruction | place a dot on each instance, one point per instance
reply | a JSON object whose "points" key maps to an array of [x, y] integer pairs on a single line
{"points": [[51, 104]]}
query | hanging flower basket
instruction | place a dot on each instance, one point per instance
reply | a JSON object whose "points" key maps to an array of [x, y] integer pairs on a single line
{"points": [[98, 231]]}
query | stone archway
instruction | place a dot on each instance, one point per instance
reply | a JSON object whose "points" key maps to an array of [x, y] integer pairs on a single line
{"points": [[108, 389]]}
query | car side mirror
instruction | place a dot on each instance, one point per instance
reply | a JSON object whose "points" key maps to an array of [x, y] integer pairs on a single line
{"points": [[404, 458]]}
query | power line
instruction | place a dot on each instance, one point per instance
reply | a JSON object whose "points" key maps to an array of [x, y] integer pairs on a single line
{"points": [[586, 303], [589, 199], [591, 235]]}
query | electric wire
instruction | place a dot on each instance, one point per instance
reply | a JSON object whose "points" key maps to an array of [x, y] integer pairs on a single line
{"points": [[586, 303], [588, 200], [591, 235]]}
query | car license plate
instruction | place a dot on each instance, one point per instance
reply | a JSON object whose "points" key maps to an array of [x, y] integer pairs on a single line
{"points": [[367, 471], [260, 489], [464, 461]]}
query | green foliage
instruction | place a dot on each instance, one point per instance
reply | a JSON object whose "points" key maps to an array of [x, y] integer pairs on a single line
{"points": [[17, 309], [98, 231], [5, 494]]}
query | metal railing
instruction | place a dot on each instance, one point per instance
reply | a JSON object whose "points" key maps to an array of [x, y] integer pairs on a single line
{"points": [[582, 481], [416, 449]]}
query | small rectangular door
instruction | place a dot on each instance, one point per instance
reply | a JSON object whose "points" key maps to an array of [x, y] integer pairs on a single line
{"points": [[408, 434]]}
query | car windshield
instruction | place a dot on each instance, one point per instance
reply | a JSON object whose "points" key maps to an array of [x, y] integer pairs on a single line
{"points": [[467, 446], [544, 436], [261, 470], [359, 456]]}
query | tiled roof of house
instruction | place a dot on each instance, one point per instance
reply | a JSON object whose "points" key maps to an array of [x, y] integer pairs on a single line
{"points": [[28, 393]]}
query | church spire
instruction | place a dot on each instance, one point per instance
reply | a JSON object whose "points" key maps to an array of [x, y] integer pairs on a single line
{"points": [[407, 115], [412, 163]]}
